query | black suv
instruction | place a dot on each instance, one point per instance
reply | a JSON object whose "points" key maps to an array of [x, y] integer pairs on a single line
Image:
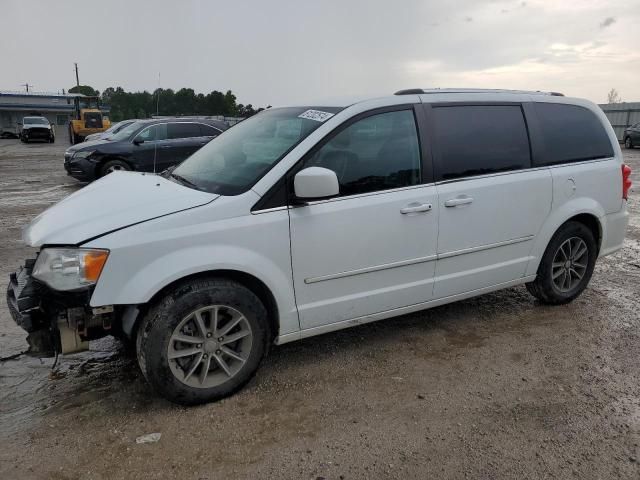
{"points": [[145, 145], [631, 136]]}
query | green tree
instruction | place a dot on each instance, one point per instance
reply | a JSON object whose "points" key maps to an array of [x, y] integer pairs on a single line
{"points": [[84, 90]]}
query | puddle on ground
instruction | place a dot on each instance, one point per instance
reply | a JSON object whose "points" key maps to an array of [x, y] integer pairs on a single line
{"points": [[78, 380]]}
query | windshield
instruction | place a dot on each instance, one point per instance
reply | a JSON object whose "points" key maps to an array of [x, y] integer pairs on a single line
{"points": [[126, 132], [235, 160], [35, 121]]}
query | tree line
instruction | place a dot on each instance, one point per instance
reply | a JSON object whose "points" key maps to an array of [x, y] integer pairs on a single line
{"points": [[186, 101]]}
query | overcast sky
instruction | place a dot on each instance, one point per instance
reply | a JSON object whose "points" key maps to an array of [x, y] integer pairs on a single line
{"points": [[282, 52]]}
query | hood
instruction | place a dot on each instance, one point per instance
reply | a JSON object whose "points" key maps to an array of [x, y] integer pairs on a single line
{"points": [[36, 125], [86, 145], [116, 201]]}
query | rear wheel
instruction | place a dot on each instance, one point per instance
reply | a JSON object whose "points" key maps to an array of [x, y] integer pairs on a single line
{"points": [[203, 341], [628, 143], [114, 166], [566, 266]]}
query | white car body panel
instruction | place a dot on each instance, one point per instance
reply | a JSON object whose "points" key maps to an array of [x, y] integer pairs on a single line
{"points": [[375, 258], [345, 261], [149, 256], [487, 241], [115, 201]]}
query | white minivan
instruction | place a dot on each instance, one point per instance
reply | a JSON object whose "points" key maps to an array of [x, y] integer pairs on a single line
{"points": [[304, 220]]}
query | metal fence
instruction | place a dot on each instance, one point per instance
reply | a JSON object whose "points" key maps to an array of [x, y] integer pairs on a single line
{"points": [[621, 115]]}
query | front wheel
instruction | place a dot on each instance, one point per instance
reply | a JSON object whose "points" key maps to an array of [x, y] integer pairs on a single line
{"points": [[203, 341], [114, 166], [566, 266]]}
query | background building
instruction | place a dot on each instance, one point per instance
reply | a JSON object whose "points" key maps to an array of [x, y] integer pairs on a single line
{"points": [[56, 107], [621, 115]]}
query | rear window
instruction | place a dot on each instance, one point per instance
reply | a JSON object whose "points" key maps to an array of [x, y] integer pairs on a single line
{"points": [[480, 139], [183, 130], [571, 134]]}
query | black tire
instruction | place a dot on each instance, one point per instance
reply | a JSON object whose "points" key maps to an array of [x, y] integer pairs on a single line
{"points": [[543, 287], [628, 143], [110, 165], [23, 140], [157, 327]]}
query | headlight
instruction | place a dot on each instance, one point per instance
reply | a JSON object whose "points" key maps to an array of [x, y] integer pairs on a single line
{"points": [[83, 154], [69, 268]]}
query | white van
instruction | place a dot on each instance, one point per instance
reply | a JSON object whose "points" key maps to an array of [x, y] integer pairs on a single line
{"points": [[304, 220]]}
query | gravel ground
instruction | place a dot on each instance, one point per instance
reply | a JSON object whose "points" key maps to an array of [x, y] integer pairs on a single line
{"points": [[494, 387]]}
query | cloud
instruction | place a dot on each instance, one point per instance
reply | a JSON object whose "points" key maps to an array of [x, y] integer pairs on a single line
{"points": [[607, 22], [288, 52]]}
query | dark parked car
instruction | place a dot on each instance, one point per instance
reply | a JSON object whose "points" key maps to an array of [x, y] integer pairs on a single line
{"points": [[115, 128], [631, 136], [145, 145]]}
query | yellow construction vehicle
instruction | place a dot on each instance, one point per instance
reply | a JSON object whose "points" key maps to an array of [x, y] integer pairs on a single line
{"points": [[87, 118]]}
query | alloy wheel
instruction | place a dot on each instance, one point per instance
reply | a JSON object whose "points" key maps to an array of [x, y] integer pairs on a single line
{"points": [[209, 346], [570, 264]]}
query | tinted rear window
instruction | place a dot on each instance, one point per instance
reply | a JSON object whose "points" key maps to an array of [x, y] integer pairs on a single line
{"points": [[184, 130], [571, 133], [480, 139]]}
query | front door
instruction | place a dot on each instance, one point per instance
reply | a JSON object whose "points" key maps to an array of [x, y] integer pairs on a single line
{"points": [[372, 249], [492, 204], [150, 148]]}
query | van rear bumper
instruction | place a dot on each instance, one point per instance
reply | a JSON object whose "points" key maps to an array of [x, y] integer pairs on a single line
{"points": [[614, 228]]}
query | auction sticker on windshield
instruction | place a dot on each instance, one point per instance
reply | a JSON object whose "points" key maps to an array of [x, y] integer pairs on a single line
{"points": [[317, 115]]}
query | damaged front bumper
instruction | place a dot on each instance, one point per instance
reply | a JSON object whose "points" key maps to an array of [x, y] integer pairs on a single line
{"points": [[56, 322]]}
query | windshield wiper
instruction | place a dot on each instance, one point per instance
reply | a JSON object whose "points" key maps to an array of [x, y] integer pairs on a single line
{"points": [[184, 181]]}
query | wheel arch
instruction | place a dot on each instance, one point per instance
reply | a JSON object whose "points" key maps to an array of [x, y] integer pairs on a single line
{"points": [[107, 158], [132, 315], [589, 215]]}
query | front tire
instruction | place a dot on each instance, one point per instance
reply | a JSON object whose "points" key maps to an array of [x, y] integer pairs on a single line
{"points": [[113, 166], [628, 143], [566, 266], [203, 341]]}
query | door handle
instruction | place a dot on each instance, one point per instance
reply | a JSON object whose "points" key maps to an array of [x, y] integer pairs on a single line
{"points": [[165, 146], [454, 202], [416, 208]]}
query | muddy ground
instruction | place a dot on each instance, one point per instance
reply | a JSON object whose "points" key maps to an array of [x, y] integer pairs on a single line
{"points": [[490, 388]]}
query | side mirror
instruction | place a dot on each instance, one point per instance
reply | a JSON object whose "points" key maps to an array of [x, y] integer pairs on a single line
{"points": [[314, 183], [137, 141]]}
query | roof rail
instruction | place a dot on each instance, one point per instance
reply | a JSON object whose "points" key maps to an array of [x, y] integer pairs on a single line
{"points": [[423, 91]]}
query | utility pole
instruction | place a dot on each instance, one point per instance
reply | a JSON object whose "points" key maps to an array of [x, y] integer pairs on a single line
{"points": [[77, 78], [26, 85]]}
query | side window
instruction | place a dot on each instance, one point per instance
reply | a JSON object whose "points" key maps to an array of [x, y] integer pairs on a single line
{"points": [[208, 131], [379, 152], [183, 130], [571, 133], [480, 139], [154, 132]]}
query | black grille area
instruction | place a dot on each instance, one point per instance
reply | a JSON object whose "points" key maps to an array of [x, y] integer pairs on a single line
{"points": [[93, 120]]}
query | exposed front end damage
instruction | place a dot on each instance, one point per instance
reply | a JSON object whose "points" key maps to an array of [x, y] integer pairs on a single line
{"points": [[56, 322]]}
